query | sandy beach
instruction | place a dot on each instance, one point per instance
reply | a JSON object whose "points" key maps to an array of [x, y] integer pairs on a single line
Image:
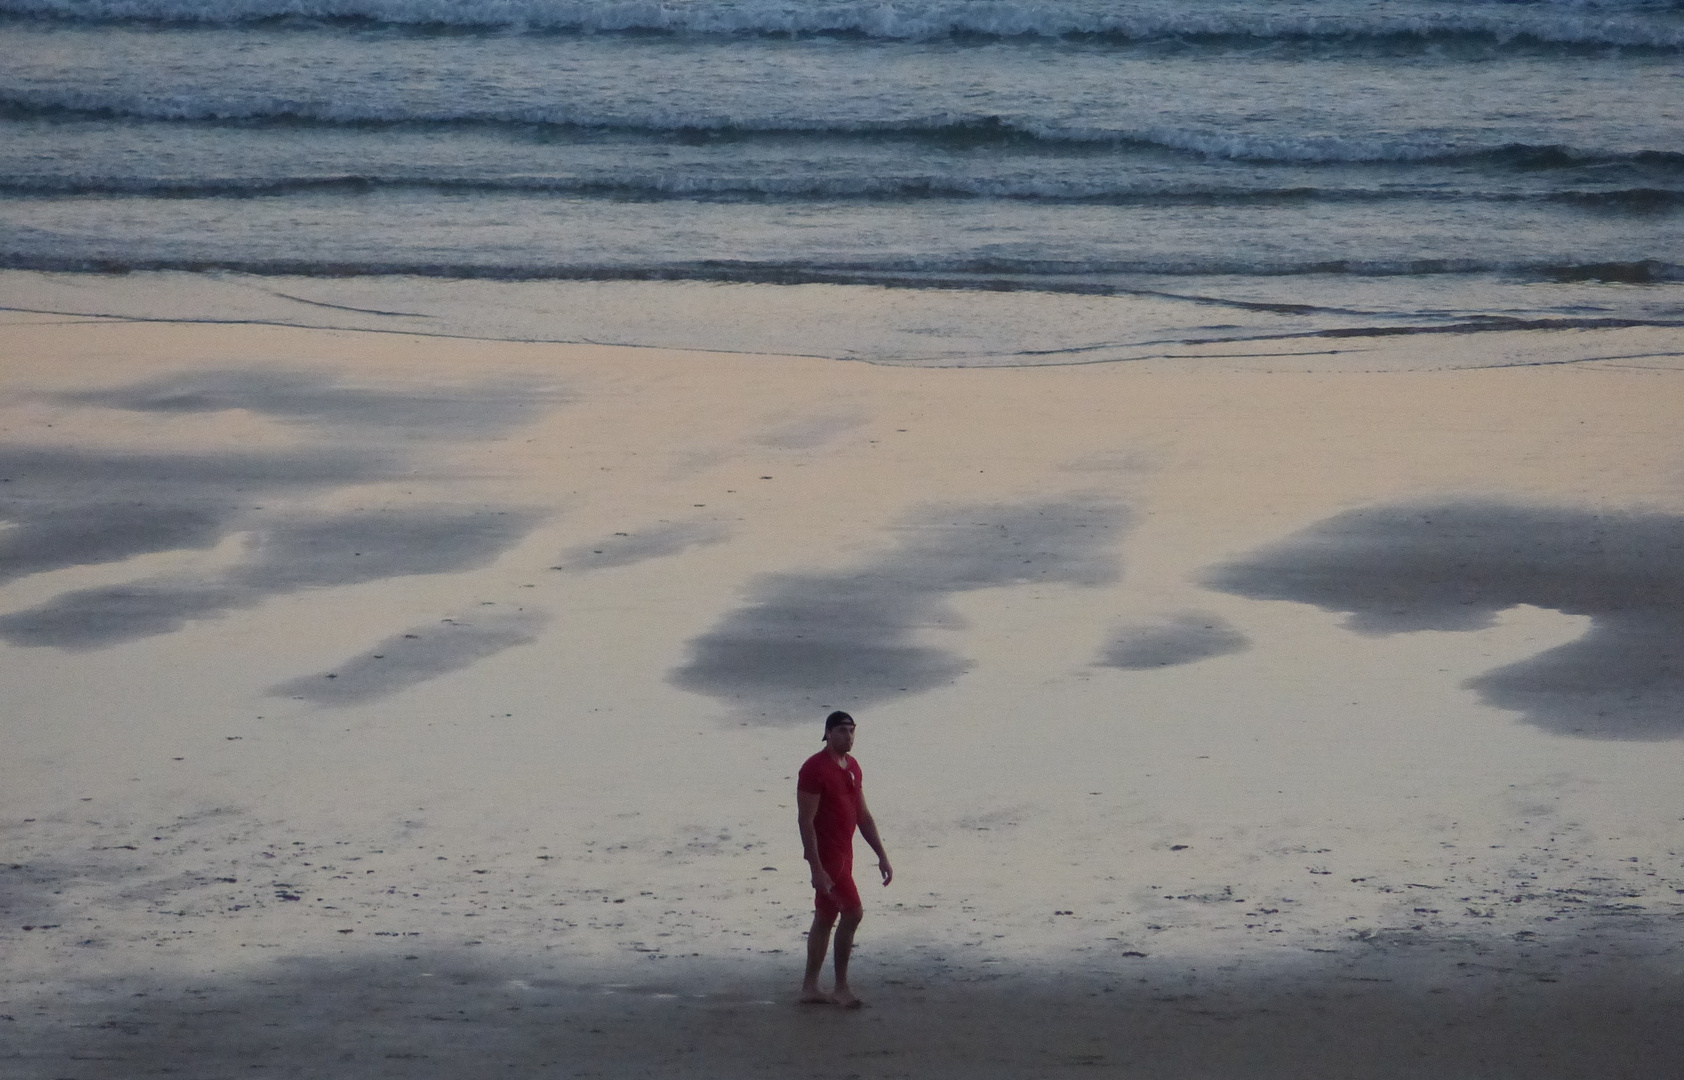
{"points": [[392, 705]]}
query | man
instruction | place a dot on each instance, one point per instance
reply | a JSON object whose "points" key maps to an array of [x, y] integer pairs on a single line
{"points": [[831, 804]]}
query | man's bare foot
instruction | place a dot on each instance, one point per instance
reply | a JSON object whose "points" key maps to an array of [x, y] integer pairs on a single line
{"points": [[845, 998], [815, 996]]}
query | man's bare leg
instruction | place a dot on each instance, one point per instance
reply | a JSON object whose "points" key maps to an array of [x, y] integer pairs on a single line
{"points": [[818, 943], [844, 949]]}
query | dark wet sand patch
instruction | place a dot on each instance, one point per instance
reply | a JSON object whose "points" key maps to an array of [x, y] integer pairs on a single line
{"points": [[1182, 638], [812, 432], [416, 655], [347, 549], [1456, 565], [98, 618], [474, 411], [289, 555], [76, 508], [67, 508], [845, 637], [628, 548]]}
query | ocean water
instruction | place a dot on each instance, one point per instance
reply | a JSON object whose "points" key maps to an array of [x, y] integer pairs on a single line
{"points": [[1272, 166]]}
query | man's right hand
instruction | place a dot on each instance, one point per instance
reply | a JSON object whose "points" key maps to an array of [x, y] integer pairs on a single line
{"points": [[821, 879]]}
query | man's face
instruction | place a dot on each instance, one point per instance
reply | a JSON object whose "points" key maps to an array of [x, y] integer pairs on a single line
{"points": [[840, 738]]}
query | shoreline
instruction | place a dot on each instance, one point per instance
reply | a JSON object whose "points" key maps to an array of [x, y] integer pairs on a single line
{"points": [[1360, 324]]}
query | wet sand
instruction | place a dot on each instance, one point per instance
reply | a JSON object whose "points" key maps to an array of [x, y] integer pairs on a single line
{"points": [[390, 705], [1462, 1010]]}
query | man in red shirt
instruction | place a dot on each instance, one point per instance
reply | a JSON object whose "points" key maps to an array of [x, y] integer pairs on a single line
{"points": [[831, 803]]}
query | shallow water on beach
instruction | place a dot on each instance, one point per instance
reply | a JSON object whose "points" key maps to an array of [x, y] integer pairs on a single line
{"points": [[1175, 319]]}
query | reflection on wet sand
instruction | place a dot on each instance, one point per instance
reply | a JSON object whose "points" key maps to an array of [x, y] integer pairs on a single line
{"points": [[416, 655], [629, 548], [79, 508], [1455, 565], [1182, 638], [845, 637], [284, 557], [320, 399]]}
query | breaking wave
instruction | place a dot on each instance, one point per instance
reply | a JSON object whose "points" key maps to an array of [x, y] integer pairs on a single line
{"points": [[1632, 25], [958, 131], [1071, 276], [830, 188]]}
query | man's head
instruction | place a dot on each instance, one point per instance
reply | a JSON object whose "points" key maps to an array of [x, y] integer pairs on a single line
{"points": [[839, 732]]}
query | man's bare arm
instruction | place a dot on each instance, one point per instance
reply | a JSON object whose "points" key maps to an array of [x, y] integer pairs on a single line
{"points": [[868, 829], [807, 808]]}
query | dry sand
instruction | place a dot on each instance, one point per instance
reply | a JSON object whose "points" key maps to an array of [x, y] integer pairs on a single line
{"points": [[387, 706]]}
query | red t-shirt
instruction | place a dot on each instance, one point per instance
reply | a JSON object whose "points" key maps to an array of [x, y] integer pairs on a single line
{"points": [[838, 789]]}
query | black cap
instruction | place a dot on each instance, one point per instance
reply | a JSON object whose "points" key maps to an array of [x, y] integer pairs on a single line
{"points": [[835, 718]]}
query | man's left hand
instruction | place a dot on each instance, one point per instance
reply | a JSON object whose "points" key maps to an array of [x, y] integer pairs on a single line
{"points": [[887, 871]]}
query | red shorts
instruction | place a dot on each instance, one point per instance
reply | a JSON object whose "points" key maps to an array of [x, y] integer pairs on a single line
{"points": [[843, 895]]}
